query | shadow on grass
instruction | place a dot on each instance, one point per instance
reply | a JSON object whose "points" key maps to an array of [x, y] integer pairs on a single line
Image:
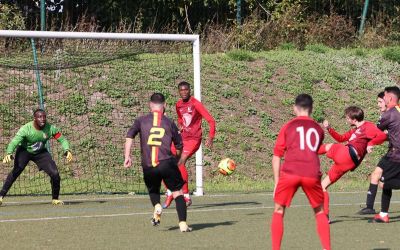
{"points": [[227, 204], [201, 226], [36, 203], [369, 218]]}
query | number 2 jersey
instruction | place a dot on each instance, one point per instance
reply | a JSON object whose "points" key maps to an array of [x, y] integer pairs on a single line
{"points": [[157, 132], [298, 142]]}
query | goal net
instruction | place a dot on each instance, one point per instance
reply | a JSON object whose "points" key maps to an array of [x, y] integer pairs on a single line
{"points": [[92, 86]]}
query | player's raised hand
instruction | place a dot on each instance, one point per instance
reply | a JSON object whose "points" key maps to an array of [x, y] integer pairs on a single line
{"points": [[209, 142], [8, 158], [128, 162], [68, 156], [326, 124]]}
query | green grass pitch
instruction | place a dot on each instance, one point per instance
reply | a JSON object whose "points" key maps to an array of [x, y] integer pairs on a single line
{"points": [[234, 221]]}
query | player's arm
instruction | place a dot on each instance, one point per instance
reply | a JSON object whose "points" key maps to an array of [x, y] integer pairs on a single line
{"points": [[340, 137], [132, 132], [384, 121], [55, 132], [177, 140], [279, 151], [376, 137], [210, 120], [18, 138], [180, 119]]}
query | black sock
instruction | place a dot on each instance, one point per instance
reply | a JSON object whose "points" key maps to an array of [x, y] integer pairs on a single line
{"points": [[181, 208], [373, 188], [154, 198], [386, 196]]}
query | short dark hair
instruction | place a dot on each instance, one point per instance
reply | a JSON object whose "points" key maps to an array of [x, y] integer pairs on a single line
{"points": [[183, 83], [393, 90], [381, 94], [157, 98], [38, 110], [354, 113], [304, 101]]}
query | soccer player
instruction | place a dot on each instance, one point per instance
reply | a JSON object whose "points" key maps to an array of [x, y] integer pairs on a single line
{"points": [[30, 142], [157, 132], [390, 163], [190, 112], [298, 142], [377, 173], [360, 141]]}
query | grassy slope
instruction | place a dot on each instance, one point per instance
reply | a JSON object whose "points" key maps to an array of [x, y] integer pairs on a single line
{"points": [[249, 94], [252, 99]]}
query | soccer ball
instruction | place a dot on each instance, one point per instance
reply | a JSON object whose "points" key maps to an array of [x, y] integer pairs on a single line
{"points": [[227, 166]]}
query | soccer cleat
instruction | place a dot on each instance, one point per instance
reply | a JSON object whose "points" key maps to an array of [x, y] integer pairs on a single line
{"points": [[188, 201], [380, 219], [329, 221], [57, 202], [156, 215], [366, 210], [168, 201], [184, 227]]}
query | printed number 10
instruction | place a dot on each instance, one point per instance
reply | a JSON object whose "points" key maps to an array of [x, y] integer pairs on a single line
{"points": [[307, 138]]}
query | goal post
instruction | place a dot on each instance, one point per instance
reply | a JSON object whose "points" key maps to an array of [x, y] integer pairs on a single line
{"points": [[193, 39]]}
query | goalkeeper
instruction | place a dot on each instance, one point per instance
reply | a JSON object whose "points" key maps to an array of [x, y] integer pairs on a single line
{"points": [[30, 142]]}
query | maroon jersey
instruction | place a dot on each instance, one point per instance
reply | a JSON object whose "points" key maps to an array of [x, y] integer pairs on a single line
{"points": [[367, 134], [157, 132], [190, 114], [298, 142]]}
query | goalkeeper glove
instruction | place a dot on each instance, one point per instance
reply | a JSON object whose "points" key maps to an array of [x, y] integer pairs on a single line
{"points": [[68, 156], [8, 158]]}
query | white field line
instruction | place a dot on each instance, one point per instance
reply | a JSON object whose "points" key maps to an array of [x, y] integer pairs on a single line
{"points": [[127, 197], [167, 212]]}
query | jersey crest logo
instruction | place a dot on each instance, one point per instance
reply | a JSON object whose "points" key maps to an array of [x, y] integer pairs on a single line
{"points": [[353, 136], [187, 119], [189, 109], [44, 135], [37, 146]]}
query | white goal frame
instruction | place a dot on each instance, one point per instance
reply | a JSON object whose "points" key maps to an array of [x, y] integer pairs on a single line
{"points": [[194, 39]]}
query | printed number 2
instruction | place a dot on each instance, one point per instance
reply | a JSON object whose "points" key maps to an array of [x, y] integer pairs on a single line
{"points": [[307, 138], [155, 133]]}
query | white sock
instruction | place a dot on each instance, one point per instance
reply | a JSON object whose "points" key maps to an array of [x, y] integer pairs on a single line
{"points": [[383, 214], [169, 193]]}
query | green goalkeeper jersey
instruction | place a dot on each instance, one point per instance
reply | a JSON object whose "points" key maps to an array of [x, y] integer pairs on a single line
{"points": [[34, 141]]}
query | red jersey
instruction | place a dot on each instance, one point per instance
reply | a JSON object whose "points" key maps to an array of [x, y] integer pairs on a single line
{"points": [[190, 114], [368, 134], [298, 141]]}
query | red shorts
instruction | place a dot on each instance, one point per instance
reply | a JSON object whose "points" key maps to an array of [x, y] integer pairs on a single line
{"points": [[339, 153], [288, 185], [189, 147]]}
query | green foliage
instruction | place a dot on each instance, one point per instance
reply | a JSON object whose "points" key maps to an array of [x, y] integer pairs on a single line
{"points": [[240, 55], [11, 17], [75, 104], [317, 48], [392, 53], [287, 46]]}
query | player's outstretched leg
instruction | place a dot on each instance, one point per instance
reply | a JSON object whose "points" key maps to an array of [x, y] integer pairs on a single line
{"points": [[185, 188], [372, 190], [276, 230], [383, 216], [323, 229], [168, 200], [46, 163], [181, 209]]}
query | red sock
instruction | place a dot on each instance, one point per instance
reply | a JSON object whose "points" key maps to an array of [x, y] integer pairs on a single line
{"points": [[276, 230], [323, 230], [185, 178], [326, 202]]}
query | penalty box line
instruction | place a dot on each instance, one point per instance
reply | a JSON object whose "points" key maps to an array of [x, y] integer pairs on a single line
{"points": [[166, 212]]}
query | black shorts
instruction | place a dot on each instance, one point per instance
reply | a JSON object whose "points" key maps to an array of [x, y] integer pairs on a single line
{"points": [[391, 169], [167, 171]]}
